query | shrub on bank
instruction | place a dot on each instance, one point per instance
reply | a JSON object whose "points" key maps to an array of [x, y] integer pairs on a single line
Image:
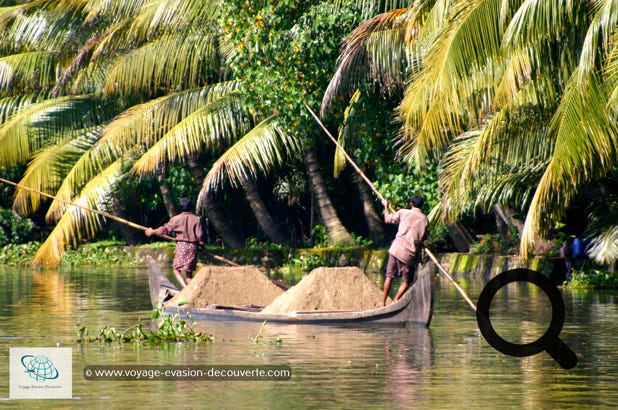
{"points": [[18, 254], [593, 279]]}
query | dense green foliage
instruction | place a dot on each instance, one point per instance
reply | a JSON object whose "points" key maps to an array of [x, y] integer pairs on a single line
{"points": [[18, 255], [285, 52], [14, 229], [124, 105], [594, 279]]}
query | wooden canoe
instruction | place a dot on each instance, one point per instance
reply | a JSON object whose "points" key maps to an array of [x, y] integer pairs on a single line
{"points": [[415, 308]]}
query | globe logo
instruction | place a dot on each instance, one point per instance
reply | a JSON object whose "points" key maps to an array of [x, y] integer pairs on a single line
{"points": [[39, 368]]}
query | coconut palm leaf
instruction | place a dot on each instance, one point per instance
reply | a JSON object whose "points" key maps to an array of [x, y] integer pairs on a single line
{"points": [[612, 75], [39, 25], [11, 105], [462, 60], [86, 167], [27, 71], [373, 51], [165, 16], [256, 153], [145, 124], [36, 125], [49, 168], [345, 135], [76, 223], [603, 230], [370, 8], [535, 21], [585, 149], [171, 62], [216, 125], [104, 9], [598, 36], [603, 247]]}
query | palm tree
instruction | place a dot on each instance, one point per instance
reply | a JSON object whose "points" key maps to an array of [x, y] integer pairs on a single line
{"points": [[514, 99], [140, 86], [106, 98]]}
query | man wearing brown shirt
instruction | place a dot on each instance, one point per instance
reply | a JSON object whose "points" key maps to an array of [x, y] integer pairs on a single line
{"points": [[404, 255], [188, 229]]}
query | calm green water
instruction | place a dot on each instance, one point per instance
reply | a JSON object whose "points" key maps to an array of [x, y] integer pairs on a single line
{"points": [[449, 366]]}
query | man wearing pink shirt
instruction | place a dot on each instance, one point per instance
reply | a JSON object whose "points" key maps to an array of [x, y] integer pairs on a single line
{"points": [[189, 233], [404, 255]]}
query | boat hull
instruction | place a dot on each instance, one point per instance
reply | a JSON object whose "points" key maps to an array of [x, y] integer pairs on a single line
{"points": [[415, 308]]}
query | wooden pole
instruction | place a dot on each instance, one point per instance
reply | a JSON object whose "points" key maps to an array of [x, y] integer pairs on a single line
{"points": [[450, 278], [360, 171], [368, 181], [108, 215]]}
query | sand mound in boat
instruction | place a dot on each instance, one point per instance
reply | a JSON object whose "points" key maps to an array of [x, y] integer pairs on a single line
{"points": [[228, 286], [344, 288]]}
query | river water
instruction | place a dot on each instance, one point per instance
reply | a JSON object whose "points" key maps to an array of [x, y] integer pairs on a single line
{"points": [[448, 366]]}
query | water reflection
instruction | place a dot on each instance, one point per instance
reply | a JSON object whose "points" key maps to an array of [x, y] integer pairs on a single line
{"points": [[448, 366]]}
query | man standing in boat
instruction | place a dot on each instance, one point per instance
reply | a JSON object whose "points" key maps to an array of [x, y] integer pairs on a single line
{"points": [[404, 255], [189, 236]]}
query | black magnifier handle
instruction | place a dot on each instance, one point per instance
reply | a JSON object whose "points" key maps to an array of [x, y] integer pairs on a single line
{"points": [[561, 353]]}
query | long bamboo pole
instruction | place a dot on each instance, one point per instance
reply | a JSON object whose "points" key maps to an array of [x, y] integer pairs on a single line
{"points": [[350, 160], [107, 215], [368, 181]]}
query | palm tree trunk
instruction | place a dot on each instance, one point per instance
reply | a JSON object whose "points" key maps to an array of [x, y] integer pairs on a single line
{"points": [[216, 217], [337, 233], [375, 224], [264, 219], [219, 221], [166, 194], [505, 218]]}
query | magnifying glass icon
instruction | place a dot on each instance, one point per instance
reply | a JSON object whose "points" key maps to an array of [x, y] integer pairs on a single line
{"points": [[549, 342]]}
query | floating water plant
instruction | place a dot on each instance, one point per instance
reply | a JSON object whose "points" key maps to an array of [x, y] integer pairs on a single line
{"points": [[171, 328]]}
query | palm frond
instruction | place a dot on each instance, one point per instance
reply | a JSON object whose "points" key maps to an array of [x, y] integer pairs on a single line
{"points": [[375, 51], [463, 60], [11, 105], [27, 71], [499, 164], [372, 7], [118, 10], [172, 62], [145, 124], [217, 124], [29, 129], [603, 230], [44, 25], [345, 135], [165, 16], [586, 147], [77, 224], [611, 78], [85, 168], [91, 79], [263, 148], [599, 35], [48, 169]]}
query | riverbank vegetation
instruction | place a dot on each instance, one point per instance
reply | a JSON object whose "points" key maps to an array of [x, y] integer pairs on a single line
{"points": [[508, 133]]}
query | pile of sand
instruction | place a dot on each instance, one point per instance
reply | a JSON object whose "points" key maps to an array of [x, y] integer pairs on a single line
{"points": [[228, 286], [329, 289]]}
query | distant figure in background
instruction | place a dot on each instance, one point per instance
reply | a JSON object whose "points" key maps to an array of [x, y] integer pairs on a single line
{"points": [[189, 236], [567, 254], [404, 255], [578, 253]]}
